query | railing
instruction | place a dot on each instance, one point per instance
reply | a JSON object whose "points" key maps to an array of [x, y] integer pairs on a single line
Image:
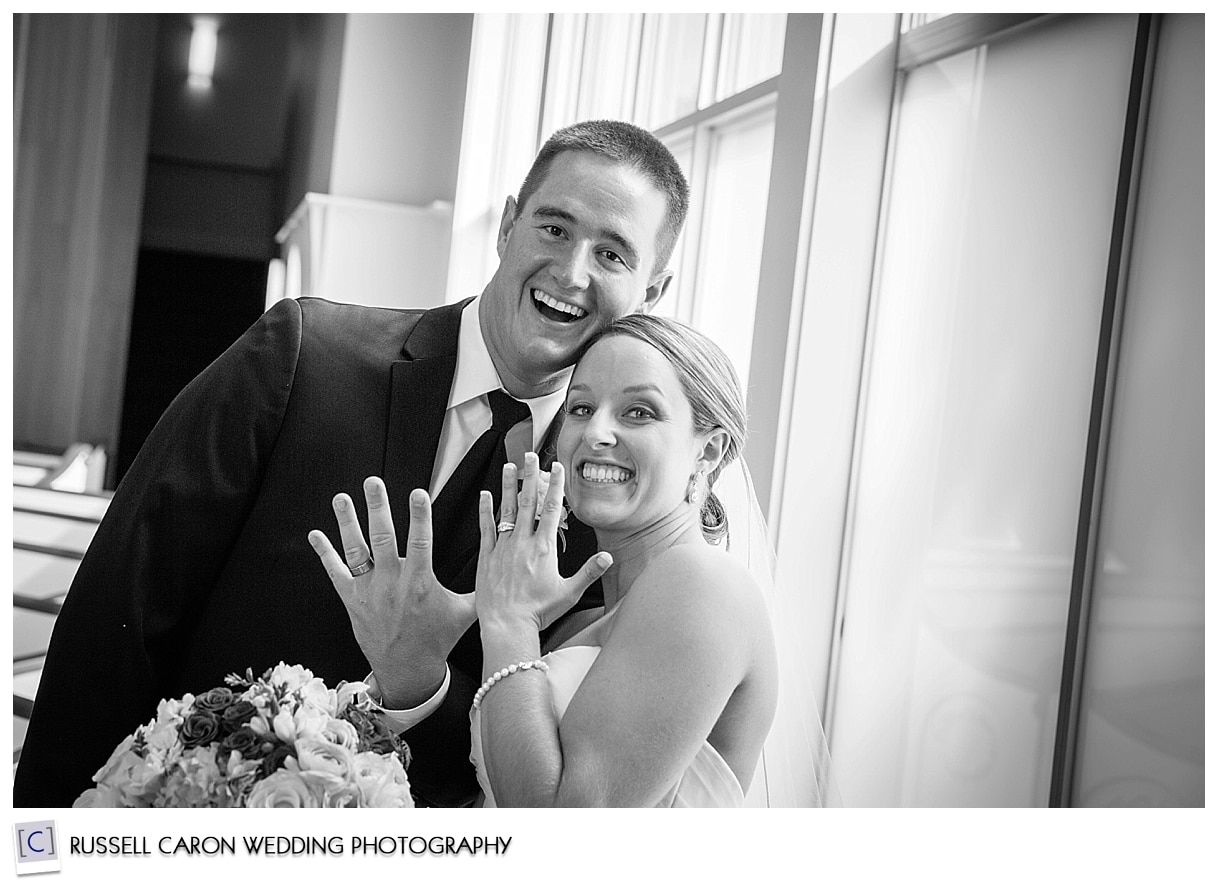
{"points": [[54, 519], [80, 469]]}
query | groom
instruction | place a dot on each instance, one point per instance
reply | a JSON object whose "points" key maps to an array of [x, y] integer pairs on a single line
{"points": [[202, 566]]}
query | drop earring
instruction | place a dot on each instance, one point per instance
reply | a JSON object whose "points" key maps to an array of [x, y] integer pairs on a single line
{"points": [[693, 494]]}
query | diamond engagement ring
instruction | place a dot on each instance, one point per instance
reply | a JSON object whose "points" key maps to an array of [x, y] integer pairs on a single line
{"points": [[505, 527], [365, 567]]}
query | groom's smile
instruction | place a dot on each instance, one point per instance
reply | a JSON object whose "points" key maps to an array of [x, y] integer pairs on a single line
{"points": [[557, 310]]}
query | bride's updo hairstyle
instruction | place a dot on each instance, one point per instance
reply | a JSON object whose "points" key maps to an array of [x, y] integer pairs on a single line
{"points": [[710, 384]]}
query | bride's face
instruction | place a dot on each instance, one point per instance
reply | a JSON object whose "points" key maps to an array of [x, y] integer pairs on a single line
{"points": [[628, 441]]}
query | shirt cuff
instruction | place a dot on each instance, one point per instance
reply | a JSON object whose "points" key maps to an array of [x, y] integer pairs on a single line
{"points": [[399, 721]]}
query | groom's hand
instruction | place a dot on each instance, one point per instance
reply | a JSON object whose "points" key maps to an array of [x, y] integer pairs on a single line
{"points": [[404, 620]]}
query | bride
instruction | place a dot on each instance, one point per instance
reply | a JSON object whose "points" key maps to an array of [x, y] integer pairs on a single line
{"points": [[666, 696]]}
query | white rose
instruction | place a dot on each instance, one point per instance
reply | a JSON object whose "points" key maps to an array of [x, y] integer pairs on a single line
{"points": [[342, 733], [317, 755], [388, 793], [99, 797], [283, 789], [335, 792], [382, 781], [309, 721], [315, 694]]}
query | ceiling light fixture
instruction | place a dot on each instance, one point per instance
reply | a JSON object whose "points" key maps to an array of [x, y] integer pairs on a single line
{"points": [[202, 52]]}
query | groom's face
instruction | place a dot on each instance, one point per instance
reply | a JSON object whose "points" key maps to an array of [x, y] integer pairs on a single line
{"points": [[580, 254]]}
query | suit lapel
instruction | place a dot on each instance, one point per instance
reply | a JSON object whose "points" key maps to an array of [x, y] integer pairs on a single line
{"points": [[418, 398]]}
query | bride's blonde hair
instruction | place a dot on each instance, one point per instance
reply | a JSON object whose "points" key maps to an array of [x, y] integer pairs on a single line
{"points": [[710, 385]]}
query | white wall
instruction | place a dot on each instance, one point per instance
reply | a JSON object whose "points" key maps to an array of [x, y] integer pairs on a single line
{"points": [[400, 105], [316, 67]]}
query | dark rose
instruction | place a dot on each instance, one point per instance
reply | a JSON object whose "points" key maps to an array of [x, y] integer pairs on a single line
{"points": [[245, 741], [237, 715], [273, 761], [216, 700], [199, 729], [374, 735]]}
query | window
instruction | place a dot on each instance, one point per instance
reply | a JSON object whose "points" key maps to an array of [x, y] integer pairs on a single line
{"points": [[673, 54], [974, 421], [706, 83], [731, 203], [913, 215]]}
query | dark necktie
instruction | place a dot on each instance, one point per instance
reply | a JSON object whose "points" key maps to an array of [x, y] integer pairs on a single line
{"points": [[455, 518], [506, 412]]}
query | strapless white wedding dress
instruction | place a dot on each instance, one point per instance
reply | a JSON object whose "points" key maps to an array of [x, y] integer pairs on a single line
{"points": [[708, 782]]}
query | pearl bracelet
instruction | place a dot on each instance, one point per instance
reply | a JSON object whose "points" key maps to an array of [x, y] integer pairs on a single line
{"points": [[506, 672]]}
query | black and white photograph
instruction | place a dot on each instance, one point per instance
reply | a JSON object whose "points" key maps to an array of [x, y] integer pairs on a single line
{"points": [[757, 410]]}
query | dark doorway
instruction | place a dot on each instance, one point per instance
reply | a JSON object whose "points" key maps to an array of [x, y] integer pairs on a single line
{"points": [[188, 309]]}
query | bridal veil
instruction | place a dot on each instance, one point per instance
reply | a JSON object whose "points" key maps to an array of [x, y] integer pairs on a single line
{"points": [[795, 770]]}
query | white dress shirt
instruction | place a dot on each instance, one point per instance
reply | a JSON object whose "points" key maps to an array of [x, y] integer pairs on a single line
{"points": [[467, 417], [469, 412]]}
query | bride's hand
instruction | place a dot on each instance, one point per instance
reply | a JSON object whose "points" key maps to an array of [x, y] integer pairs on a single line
{"points": [[518, 578]]}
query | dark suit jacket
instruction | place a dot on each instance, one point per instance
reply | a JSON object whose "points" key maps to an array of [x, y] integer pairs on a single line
{"points": [[202, 567]]}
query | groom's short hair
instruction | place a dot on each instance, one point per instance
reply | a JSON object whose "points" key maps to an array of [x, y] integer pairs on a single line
{"points": [[625, 143]]}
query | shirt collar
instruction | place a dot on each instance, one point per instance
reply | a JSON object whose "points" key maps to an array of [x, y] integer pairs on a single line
{"points": [[476, 374]]}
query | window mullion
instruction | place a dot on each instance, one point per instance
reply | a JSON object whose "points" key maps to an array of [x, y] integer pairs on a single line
{"points": [[793, 126], [711, 49], [720, 108]]}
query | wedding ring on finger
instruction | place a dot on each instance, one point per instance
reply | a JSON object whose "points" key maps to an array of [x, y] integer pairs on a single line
{"points": [[505, 527], [365, 567]]}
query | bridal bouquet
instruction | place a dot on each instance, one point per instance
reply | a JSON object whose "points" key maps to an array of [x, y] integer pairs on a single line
{"points": [[282, 740]]}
